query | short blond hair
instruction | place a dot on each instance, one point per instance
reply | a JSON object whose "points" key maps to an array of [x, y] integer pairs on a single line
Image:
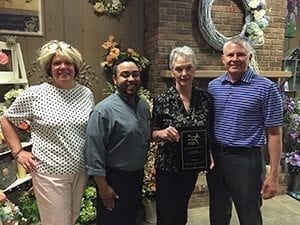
{"points": [[53, 47]]}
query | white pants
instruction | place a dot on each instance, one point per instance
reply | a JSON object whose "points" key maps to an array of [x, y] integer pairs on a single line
{"points": [[59, 197]]}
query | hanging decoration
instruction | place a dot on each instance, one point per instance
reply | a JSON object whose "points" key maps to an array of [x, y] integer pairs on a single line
{"points": [[254, 24], [111, 8], [292, 12]]}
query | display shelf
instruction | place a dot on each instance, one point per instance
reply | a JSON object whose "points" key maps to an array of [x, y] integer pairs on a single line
{"points": [[17, 183], [24, 145]]}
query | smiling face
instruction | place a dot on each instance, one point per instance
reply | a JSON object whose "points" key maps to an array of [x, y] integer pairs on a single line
{"points": [[183, 71], [127, 78], [236, 59], [63, 72]]}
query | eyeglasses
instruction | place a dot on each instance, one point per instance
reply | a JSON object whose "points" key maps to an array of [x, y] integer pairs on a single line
{"points": [[58, 44]]}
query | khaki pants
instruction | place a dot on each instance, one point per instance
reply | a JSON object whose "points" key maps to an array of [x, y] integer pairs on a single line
{"points": [[59, 197]]}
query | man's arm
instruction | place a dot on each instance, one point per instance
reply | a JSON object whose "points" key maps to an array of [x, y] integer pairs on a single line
{"points": [[271, 184]]}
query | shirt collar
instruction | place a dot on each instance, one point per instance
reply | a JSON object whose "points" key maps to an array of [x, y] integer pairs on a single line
{"points": [[246, 78], [125, 98]]}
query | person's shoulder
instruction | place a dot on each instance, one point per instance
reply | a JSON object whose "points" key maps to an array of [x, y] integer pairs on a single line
{"points": [[84, 89], [166, 93], [35, 89], [218, 79], [106, 102], [262, 80]]}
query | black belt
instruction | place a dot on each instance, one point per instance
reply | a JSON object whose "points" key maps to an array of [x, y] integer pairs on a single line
{"points": [[234, 149], [124, 172]]}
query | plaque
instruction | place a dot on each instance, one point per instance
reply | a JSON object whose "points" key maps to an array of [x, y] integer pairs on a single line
{"points": [[193, 149]]}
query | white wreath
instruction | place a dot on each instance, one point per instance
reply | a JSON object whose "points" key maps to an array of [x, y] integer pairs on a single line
{"points": [[255, 22]]}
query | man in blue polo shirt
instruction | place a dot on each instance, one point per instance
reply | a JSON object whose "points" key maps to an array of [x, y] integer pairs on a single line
{"points": [[248, 114]]}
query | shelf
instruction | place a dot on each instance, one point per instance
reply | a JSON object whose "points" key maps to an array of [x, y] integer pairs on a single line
{"points": [[17, 183], [24, 145], [216, 73]]}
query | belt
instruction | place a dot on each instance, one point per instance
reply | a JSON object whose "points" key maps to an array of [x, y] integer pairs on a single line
{"points": [[234, 149], [124, 172]]}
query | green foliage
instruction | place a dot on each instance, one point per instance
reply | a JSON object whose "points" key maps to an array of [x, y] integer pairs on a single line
{"points": [[29, 208], [88, 212]]}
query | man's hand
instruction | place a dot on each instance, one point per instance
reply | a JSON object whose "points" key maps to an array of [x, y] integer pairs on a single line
{"points": [[270, 187], [106, 192]]}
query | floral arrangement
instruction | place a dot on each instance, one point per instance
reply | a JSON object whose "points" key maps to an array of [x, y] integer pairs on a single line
{"points": [[291, 133], [114, 52], [9, 213], [11, 95], [149, 185], [291, 127], [258, 22], [293, 161], [112, 8]]}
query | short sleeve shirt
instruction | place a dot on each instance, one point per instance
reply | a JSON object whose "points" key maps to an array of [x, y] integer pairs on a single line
{"points": [[58, 120]]}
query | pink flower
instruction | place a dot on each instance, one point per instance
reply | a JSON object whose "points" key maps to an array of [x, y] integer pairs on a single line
{"points": [[3, 58]]}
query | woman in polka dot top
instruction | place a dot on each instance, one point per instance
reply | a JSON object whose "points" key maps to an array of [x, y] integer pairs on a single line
{"points": [[57, 112]]}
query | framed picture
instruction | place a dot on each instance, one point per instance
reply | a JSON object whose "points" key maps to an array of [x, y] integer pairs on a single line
{"points": [[21, 17], [12, 69]]}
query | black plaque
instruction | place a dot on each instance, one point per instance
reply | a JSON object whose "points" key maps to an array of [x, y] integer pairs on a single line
{"points": [[193, 149]]}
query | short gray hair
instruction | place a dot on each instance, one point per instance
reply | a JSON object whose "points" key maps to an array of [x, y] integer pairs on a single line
{"points": [[239, 41], [185, 52]]}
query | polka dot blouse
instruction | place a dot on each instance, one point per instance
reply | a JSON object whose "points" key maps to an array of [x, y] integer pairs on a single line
{"points": [[58, 119]]}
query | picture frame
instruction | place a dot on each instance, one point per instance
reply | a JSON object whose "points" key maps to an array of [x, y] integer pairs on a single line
{"points": [[21, 17], [13, 72]]}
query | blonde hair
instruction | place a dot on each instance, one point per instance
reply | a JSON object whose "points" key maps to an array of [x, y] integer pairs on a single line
{"points": [[53, 47]]}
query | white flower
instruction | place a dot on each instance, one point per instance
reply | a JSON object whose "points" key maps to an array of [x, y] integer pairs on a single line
{"points": [[112, 8], [99, 7]]}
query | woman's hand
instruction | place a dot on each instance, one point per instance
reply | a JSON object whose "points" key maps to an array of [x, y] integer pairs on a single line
{"points": [[27, 160], [168, 134]]}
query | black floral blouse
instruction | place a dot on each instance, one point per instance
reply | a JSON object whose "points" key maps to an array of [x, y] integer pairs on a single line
{"points": [[168, 110]]}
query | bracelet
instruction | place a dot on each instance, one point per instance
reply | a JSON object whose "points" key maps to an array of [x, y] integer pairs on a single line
{"points": [[17, 154]]}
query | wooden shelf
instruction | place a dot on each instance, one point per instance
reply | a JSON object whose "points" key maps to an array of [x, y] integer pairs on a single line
{"points": [[215, 73]]}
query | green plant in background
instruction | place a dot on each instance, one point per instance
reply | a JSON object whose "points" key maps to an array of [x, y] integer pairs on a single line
{"points": [[29, 208], [88, 212], [11, 95]]}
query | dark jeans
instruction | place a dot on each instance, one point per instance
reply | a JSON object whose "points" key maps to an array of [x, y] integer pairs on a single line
{"points": [[128, 186], [173, 191], [237, 177]]}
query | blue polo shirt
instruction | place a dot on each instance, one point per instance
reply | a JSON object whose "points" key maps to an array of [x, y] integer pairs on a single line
{"points": [[244, 109]]}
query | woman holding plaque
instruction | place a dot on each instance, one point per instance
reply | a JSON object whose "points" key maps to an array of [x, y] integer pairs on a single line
{"points": [[182, 120]]}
